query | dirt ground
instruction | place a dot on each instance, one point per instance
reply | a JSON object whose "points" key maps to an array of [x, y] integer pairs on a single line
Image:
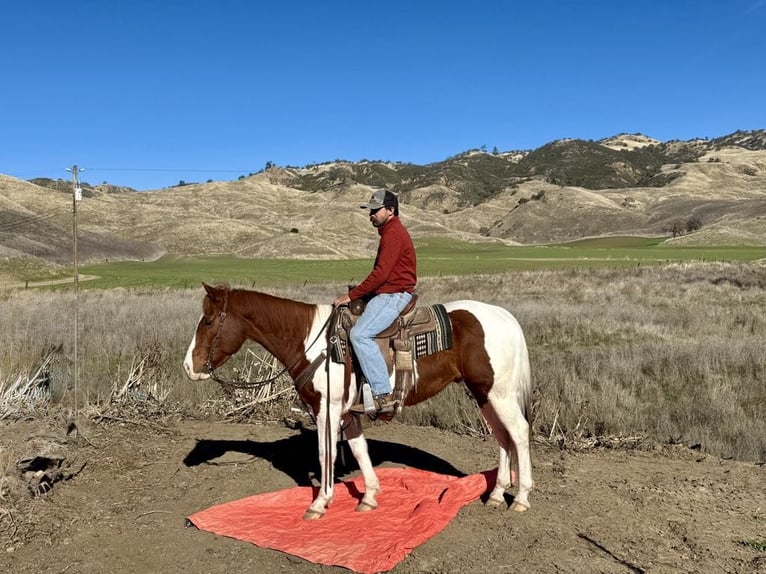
{"points": [[130, 486]]}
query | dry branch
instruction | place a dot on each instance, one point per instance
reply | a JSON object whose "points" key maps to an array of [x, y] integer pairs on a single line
{"points": [[26, 393]]}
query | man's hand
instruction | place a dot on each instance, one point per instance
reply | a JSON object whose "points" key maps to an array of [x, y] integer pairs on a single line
{"points": [[341, 300]]}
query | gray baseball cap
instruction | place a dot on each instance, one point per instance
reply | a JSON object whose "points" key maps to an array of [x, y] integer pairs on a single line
{"points": [[382, 198]]}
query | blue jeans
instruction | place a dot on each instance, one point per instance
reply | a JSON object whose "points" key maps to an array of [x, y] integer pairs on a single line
{"points": [[380, 312]]}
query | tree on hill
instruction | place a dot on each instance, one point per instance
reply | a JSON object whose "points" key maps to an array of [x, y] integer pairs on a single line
{"points": [[694, 223], [680, 226]]}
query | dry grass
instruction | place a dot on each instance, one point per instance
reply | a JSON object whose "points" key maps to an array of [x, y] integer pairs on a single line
{"points": [[672, 353], [25, 395]]}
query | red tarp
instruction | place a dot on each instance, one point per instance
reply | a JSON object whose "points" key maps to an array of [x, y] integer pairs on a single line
{"points": [[413, 506]]}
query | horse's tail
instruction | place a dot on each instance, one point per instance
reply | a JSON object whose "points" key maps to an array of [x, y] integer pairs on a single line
{"points": [[526, 387]]}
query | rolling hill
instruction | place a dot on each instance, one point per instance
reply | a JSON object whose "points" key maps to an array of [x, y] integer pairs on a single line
{"points": [[628, 184]]}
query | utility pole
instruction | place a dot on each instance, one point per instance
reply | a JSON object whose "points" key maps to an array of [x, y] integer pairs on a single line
{"points": [[76, 197]]}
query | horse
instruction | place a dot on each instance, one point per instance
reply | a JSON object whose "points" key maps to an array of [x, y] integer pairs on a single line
{"points": [[489, 354]]}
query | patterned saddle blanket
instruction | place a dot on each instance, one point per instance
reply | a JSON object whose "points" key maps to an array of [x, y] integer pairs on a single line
{"points": [[419, 331]]}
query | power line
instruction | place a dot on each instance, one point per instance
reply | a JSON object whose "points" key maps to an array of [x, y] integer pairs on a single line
{"points": [[25, 220], [167, 169], [156, 169], [190, 172], [35, 171], [41, 173]]}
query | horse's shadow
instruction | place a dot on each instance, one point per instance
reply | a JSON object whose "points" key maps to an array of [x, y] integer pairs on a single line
{"points": [[296, 456]]}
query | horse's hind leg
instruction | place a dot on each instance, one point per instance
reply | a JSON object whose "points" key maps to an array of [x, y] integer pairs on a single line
{"points": [[503, 482], [358, 445], [511, 430]]}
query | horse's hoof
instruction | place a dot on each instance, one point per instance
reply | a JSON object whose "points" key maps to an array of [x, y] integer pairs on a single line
{"points": [[519, 507], [495, 503], [365, 507], [312, 514]]}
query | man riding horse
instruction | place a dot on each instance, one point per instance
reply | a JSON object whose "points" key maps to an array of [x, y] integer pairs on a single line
{"points": [[387, 290], [487, 353]]}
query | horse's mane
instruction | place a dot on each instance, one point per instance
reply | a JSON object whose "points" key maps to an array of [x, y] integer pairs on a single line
{"points": [[273, 311]]}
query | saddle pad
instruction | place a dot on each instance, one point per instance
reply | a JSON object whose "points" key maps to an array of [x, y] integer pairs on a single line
{"points": [[440, 339], [413, 506]]}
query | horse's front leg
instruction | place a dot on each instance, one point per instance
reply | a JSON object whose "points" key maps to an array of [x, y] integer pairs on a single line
{"points": [[328, 424], [358, 445]]}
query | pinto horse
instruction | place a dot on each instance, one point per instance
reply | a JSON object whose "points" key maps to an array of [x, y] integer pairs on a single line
{"points": [[489, 354]]}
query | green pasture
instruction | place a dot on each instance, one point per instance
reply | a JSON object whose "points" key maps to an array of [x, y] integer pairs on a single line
{"points": [[436, 256]]}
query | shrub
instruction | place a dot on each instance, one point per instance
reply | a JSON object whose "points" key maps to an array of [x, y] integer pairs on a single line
{"points": [[674, 353]]}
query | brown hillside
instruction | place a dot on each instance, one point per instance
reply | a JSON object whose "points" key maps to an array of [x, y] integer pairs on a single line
{"points": [[312, 212], [36, 222]]}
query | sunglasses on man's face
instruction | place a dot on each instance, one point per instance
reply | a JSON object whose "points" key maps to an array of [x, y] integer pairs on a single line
{"points": [[374, 211]]}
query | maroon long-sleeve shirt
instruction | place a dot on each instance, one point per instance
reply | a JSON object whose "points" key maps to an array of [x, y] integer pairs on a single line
{"points": [[395, 268]]}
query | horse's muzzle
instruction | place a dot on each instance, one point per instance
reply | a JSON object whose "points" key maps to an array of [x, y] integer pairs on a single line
{"points": [[192, 374]]}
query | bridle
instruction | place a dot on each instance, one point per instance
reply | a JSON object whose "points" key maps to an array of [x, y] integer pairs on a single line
{"points": [[300, 379]]}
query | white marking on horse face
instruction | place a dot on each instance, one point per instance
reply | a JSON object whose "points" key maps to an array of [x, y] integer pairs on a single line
{"points": [[189, 364]]}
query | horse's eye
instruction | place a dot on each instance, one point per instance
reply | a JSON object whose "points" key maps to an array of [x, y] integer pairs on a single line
{"points": [[207, 322]]}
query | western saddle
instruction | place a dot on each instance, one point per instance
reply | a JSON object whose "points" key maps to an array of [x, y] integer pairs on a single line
{"points": [[398, 342]]}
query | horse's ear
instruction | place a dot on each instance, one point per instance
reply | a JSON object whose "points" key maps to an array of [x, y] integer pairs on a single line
{"points": [[212, 292]]}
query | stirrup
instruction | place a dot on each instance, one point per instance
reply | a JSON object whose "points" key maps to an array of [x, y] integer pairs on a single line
{"points": [[357, 409], [385, 403]]}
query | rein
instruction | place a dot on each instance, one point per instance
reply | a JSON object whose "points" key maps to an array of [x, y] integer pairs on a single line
{"points": [[302, 378]]}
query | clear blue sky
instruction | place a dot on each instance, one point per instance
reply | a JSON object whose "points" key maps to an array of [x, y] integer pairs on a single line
{"points": [[148, 93]]}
